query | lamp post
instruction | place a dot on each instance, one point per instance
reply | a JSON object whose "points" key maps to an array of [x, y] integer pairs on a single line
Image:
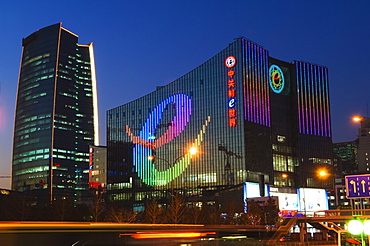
{"points": [[50, 179], [285, 176], [321, 173], [192, 151], [363, 143], [360, 227]]}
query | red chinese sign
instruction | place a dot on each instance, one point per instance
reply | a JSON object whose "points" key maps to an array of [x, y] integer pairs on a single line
{"points": [[230, 62]]}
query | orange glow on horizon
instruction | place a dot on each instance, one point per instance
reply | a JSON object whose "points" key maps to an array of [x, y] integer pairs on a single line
{"points": [[2, 118]]}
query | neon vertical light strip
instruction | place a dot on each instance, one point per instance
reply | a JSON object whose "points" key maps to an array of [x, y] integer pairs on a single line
{"points": [[95, 95], [306, 100], [317, 125], [299, 96], [310, 99], [264, 95], [323, 103], [313, 99], [257, 104], [327, 103]]}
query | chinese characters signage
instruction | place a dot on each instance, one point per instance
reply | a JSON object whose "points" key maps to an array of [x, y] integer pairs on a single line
{"points": [[230, 62], [91, 161]]}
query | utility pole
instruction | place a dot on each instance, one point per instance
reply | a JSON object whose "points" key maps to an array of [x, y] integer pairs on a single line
{"points": [[227, 167]]}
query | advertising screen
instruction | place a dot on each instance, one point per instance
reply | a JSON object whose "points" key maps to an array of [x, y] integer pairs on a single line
{"points": [[287, 201], [316, 199], [253, 190]]}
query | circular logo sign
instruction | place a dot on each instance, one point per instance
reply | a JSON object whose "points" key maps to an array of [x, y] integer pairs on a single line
{"points": [[230, 61], [276, 79]]}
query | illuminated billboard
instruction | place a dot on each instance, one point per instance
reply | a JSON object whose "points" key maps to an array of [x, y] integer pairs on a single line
{"points": [[313, 199], [287, 201], [251, 190]]}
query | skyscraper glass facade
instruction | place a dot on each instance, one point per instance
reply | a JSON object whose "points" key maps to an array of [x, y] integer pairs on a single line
{"points": [[249, 115], [56, 113]]}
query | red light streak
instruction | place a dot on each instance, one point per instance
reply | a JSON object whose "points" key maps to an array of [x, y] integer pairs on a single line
{"points": [[159, 235]]}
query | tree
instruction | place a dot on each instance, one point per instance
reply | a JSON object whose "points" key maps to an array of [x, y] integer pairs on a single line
{"points": [[18, 205], [232, 210], [122, 215], [176, 211], [254, 212], [152, 211], [62, 208], [195, 214], [212, 213], [98, 206], [271, 211]]}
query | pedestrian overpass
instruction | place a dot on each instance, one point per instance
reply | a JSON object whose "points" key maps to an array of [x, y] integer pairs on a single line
{"points": [[330, 222]]}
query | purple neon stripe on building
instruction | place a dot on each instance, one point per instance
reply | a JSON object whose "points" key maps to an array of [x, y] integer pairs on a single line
{"points": [[257, 107], [327, 107], [261, 85], [299, 95], [256, 86], [320, 126], [322, 103], [308, 106], [309, 99], [305, 103], [313, 99]]}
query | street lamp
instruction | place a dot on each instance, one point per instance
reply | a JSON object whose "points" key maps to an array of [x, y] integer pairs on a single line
{"points": [[285, 176], [357, 118], [192, 151], [322, 173], [357, 227]]}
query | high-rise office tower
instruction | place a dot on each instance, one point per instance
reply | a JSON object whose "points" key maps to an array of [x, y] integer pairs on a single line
{"points": [[56, 115], [363, 144]]}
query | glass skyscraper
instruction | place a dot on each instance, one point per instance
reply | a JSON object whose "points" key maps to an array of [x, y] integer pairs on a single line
{"points": [[56, 114], [252, 118]]}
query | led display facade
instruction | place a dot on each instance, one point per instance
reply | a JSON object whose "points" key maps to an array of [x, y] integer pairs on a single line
{"points": [[241, 109]]}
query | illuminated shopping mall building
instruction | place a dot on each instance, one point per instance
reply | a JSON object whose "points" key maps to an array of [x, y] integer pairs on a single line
{"points": [[56, 114], [252, 118]]}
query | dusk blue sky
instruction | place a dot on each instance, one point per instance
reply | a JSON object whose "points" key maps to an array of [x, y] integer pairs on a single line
{"points": [[142, 44]]}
